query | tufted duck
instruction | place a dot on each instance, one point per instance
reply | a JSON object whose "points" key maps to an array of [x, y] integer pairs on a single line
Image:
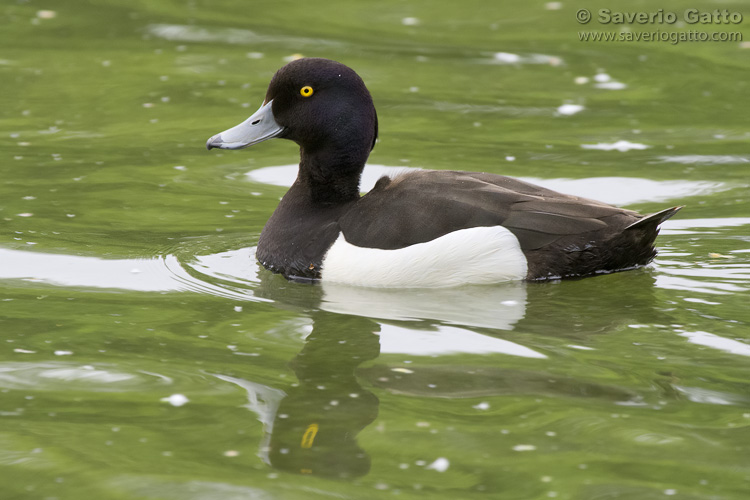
{"points": [[423, 228]]}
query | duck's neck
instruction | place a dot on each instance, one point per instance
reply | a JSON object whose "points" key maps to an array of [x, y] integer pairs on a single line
{"points": [[330, 177]]}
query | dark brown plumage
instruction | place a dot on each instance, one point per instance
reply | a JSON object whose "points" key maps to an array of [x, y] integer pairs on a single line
{"points": [[561, 235]]}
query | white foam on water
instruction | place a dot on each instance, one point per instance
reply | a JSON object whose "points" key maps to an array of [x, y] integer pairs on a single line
{"points": [[621, 146]]}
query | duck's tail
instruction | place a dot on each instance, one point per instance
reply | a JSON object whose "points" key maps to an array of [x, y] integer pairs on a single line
{"points": [[654, 220]]}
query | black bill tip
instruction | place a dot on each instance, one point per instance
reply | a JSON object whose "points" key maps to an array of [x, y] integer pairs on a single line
{"points": [[214, 142]]}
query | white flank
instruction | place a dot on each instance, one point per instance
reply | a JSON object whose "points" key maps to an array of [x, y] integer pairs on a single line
{"points": [[477, 255]]}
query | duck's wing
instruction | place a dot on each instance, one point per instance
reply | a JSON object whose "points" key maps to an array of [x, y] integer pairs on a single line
{"points": [[420, 206]]}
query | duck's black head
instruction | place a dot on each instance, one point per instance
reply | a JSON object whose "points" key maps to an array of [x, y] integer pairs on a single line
{"points": [[323, 106]]}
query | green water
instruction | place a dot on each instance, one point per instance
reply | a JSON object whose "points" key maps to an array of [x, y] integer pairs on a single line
{"points": [[127, 278]]}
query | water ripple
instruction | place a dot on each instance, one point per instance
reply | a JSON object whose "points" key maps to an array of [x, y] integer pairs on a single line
{"points": [[705, 159], [234, 36], [61, 376], [615, 190], [716, 342], [509, 58]]}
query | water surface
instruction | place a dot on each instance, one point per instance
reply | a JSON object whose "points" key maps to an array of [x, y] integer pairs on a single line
{"points": [[147, 356]]}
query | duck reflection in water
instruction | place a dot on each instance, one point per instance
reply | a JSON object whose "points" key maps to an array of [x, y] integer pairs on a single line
{"points": [[316, 427], [312, 428]]}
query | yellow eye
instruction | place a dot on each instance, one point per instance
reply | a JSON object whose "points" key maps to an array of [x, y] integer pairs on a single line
{"points": [[306, 91]]}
